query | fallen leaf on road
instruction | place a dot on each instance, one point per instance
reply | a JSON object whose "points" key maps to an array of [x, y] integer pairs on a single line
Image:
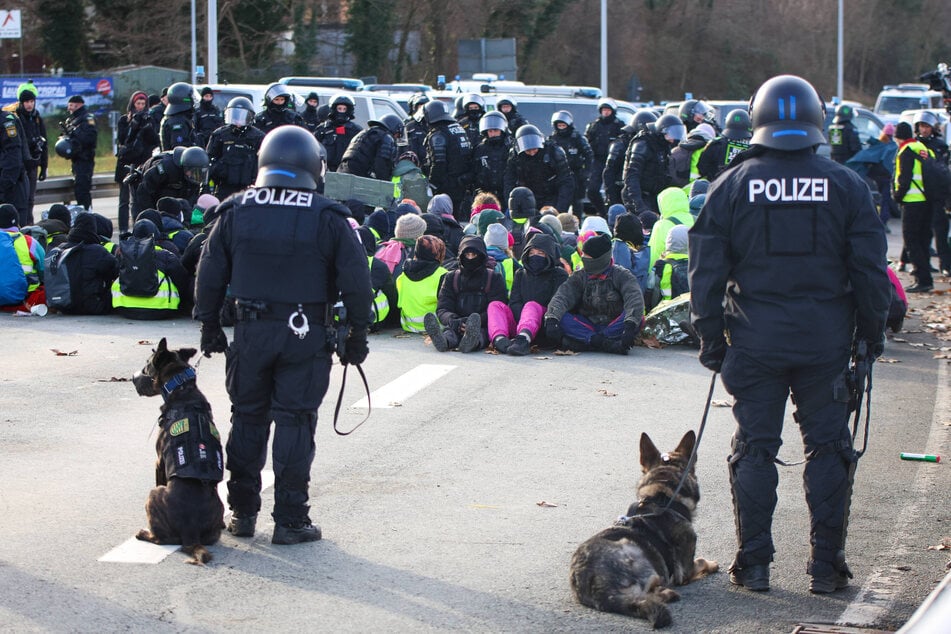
{"points": [[565, 353], [651, 342], [887, 360], [114, 379], [547, 505], [900, 340], [144, 342], [604, 392], [944, 545], [943, 355], [60, 353], [543, 358], [903, 568], [402, 335], [716, 403]]}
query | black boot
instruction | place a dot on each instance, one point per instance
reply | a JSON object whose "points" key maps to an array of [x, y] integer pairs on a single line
{"points": [[295, 533], [242, 526]]}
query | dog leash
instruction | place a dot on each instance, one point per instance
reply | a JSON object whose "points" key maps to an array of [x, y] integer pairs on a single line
{"points": [[343, 384]]}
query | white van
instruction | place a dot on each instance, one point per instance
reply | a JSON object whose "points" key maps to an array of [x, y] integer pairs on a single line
{"points": [[893, 100]]}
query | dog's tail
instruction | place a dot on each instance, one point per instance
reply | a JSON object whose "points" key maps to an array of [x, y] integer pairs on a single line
{"points": [[199, 554], [654, 609]]}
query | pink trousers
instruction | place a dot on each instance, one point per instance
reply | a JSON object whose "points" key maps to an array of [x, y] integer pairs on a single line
{"points": [[502, 320]]}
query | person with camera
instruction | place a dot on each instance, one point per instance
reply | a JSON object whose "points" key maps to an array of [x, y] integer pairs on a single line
{"points": [[788, 281], [34, 135], [80, 130], [278, 366], [135, 142]]}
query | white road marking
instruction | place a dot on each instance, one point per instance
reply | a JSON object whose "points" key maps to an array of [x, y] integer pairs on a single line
{"points": [[134, 551], [877, 596], [396, 392]]}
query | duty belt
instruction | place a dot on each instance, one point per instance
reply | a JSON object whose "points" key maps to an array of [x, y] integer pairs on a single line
{"points": [[251, 310]]}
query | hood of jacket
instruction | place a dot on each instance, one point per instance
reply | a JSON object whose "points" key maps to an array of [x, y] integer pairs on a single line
{"points": [[441, 205], [671, 201], [83, 230], [544, 242]]}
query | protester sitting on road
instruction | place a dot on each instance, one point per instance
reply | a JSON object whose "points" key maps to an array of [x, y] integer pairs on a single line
{"points": [[21, 265], [441, 205], [91, 268], [418, 285], [149, 287], [498, 246], [173, 224], [393, 253], [162, 240], [674, 210], [671, 267], [56, 224], [628, 248]]}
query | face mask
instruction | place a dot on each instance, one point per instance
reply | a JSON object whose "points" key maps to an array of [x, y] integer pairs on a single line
{"points": [[536, 264], [470, 265]]}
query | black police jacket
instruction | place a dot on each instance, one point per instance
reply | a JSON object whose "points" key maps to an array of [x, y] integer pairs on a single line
{"points": [[177, 130], [233, 152], [416, 139], [163, 178], [271, 118], [372, 154], [283, 246], [577, 151], [613, 173], [13, 155], [310, 118], [843, 141], [34, 136], [718, 155], [92, 269], [336, 138], [788, 254], [488, 165], [208, 118], [645, 170], [547, 174], [448, 159], [81, 129], [600, 133], [936, 145]]}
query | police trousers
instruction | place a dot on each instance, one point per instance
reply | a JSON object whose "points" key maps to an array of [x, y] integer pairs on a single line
{"points": [[272, 375], [82, 182], [760, 383]]}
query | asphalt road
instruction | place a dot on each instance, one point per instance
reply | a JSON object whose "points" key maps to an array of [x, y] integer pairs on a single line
{"points": [[431, 511]]}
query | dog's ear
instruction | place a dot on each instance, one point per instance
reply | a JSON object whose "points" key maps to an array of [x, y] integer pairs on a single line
{"points": [[186, 353], [162, 345], [650, 456], [685, 448]]}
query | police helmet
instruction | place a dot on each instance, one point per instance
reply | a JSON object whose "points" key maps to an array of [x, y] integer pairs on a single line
{"points": [[843, 113], [177, 152], [64, 147], [436, 111], [607, 103], [671, 125], [562, 116], [180, 98], [528, 137], [693, 107], [291, 157], [277, 90], [737, 125], [927, 118], [643, 117], [501, 101], [416, 100], [473, 98], [493, 120], [341, 99], [787, 114], [239, 112], [391, 122], [195, 165]]}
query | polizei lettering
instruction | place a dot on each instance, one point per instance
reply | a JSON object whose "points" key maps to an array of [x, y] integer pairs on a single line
{"points": [[789, 190], [284, 197]]}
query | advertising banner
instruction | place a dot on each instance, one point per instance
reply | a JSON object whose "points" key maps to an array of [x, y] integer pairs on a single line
{"points": [[54, 92]]}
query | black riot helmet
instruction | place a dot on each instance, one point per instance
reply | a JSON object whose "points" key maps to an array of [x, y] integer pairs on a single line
{"points": [[239, 112], [342, 100], [671, 125], [180, 98], [493, 120], [436, 111], [528, 137], [843, 113], [693, 107], [64, 147], [562, 116], [787, 114], [195, 165], [417, 100], [291, 157], [389, 121], [737, 125], [642, 118], [273, 92]]}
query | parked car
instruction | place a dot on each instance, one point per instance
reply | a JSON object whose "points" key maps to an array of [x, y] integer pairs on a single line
{"points": [[892, 101]]}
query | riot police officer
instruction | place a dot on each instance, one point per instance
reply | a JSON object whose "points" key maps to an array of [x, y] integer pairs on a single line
{"points": [[278, 109], [80, 130], [646, 172], [541, 166], [372, 153], [278, 366], [415, 127], [473, 107], [614, 164], [600, 133], [720, 152], [309, 115], [579, 155], [233, 149], [509, 107], [448, 164], [843, 137], [693, 112], [787, 280], [179, 173], [178, 124], [336, 133], [208, 117], [490, 156]]}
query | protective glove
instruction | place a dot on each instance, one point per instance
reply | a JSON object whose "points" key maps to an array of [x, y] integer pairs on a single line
{"points": [[873, 348], [630, 334], [712, 353], [42, 176], [213, 339], [357, 349], [553, 329]]}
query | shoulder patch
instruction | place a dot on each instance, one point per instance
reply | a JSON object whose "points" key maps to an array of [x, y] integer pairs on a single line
{"points": [[11, 129], [214, 430], [160, 168], [90, 119], [179, 427]]}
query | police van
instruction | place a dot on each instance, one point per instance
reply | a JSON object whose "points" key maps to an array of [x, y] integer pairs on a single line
{"points": [[893, 100]]}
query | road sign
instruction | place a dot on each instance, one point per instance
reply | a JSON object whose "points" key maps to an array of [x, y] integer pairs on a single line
{"points": [[10, 24]]}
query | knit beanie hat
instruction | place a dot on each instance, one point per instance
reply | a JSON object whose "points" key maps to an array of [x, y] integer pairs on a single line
{"points": [[648, 218], [696, 203], [903, 131], [8, 216], [77, 99], [440, 204], [430, 249], [26, 92], [170, 207], [488, 217], [60, 212], [595, 223], [378, 222], [144, 229], [551, 221], [410, 227], [434, 225], [151, 214], [676, 241], [699, 186], [104, 226], [488, 206], [596, 254], [154, 100], [497, 236], [628, 228], [889, 129], [569, 222], [207, 91], [407, 208]]}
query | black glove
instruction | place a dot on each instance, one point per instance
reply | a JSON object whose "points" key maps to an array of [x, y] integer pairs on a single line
{"points": [[553, 329], [873, 349], [213, 339], [630, 334], [712, 353], [356, 350], [42, 176]]}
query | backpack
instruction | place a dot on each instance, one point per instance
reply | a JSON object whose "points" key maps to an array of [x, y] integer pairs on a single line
{"points": [[58, 292], [936, 179], [138, 270], [13, 285]]}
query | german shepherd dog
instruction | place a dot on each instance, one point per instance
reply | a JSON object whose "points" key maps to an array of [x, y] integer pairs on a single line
{"points": [[630, 567], [184, 507]]}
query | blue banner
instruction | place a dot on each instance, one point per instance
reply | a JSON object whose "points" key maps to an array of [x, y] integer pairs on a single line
{"points": [[54, 92]]}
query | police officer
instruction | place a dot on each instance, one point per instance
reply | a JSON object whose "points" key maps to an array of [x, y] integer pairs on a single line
{"points": [[336, 133], [614, 164], [509, 107], [490, 156], [600, 133], [448, 164], [178, 124], [718, 154], [693, 112], [372, 153], [278, 109], [787, 280], [309, 115], [473, 107], [278, 366], [34, 140], [80, 129], [843, 137], [179, 173], [579, 155], [415, 127], [233, 149], [208, 117], [646, 172], [541, 166]]}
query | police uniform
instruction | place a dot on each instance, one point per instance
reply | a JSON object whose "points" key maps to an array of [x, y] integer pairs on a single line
{"points": [[488, 165], [600, 133], [335, 136], [14, 154], [178, 130], [646, 172], [81, 128], [787, 269], [547, 174], [449, 161], [278, 370], [718, 154], [844, 141], [164, 178], [208, 118], [371, 154], [580, 161], [233, 151], [274, 117]]}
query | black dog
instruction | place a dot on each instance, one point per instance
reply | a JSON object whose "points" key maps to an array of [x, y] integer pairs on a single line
{"points": [[184, 507], [630, 567]]}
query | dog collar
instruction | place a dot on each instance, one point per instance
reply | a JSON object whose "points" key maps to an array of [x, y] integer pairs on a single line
{"points": [[180, 379]]}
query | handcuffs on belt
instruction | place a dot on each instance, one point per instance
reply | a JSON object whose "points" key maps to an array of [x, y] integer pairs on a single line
{"points": [[304, 327]]}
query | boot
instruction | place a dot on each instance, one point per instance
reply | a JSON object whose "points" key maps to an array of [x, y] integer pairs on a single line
{"points": [[614, 346], [826, 577], [754, 578], [242, 526], [435, 332], [501, 343], [472, 337], [295, 533], [521, 346]]}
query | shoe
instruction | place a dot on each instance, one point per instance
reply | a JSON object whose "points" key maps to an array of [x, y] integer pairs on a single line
{"points": [[242, 526], [831, 576], [472, 338], [502, 343], [434, 330], [919, 288], [573, 345], [614, 346], [521, 346], [296, 533], [754, 578]]}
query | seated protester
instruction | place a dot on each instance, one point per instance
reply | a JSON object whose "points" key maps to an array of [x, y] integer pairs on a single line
{"points": [[153, 216], [464, 297], [513, 327], [498, 243], [358, 210], [418, 285], [523, 213], [21, 265], [628, 248], [597, 224], [671, 267], [598, 308], [567, 248], [152, 283], [104, 229], [92, 269], [441, 205], [379, 223], [192, 252], [395, 252], [173, 224], [381, 281], [674, 210], [56, 224], [485, 201], [696, 204]]}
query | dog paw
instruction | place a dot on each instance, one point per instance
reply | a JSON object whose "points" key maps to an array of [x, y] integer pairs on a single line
{"points": [[145, 536], [703, 567]]}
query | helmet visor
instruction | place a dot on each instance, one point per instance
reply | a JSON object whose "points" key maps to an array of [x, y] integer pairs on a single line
{"points": [[676, 132], [196, 175], [238, 116]]}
